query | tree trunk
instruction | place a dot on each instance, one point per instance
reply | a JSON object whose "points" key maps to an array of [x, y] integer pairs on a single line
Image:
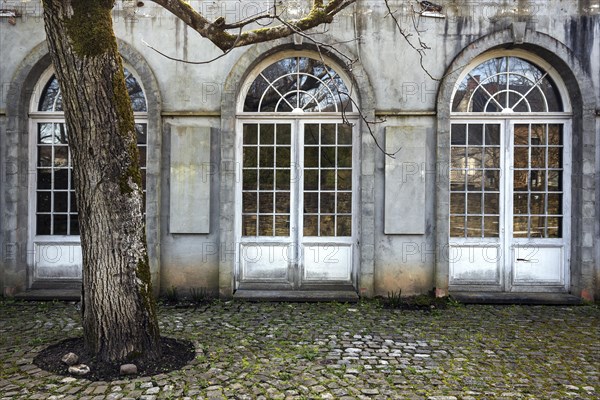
{"points": [[119, 317]]}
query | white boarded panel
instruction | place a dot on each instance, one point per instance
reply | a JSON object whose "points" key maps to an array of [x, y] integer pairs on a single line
{"points": [[538, 265], [327, 262], [405, 180], [474, 265], [57, 261], [190, 177], [264, 261]]}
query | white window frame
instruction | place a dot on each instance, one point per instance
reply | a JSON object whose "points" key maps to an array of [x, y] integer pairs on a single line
{"points": [[297, 121], [508, 245], [36, 242]]}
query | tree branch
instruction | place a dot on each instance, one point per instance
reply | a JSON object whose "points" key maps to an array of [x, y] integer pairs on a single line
{"points": [[217, 33]]}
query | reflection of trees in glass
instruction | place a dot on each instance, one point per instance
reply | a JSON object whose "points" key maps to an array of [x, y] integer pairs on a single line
{"points": [[297, 83], [507, 83], [51, 98]]}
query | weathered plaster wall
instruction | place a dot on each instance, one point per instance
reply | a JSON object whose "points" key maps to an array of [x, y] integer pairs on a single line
{"points": [[402, 93]]}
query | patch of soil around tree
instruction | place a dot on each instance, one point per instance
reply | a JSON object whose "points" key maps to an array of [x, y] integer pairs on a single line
{"points": [[175, 355]]}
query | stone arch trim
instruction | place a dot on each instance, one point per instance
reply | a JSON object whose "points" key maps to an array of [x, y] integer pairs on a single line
{"points": [[14, 149], [360, 82], [582, 97]]}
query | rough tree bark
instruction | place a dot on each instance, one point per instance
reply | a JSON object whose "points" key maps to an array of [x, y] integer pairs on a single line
{"points": [[119, 318]]}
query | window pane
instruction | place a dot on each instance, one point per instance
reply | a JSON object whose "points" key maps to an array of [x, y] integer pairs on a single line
{"points": [[520, 204], [266, 179], [457, 203], [555, 157], [474, 226], [327, 225], [538, 157], [344, 179], [327, 203], [520, 227], [311, 179], [44, 156], [61, 201], [61, 156], [492, 157], [311, 202], [44, 201], [555, 136], [282, 225], [344, 157], [328, 157], [250, 134], [265, 202], [537, 227], [266, 155], [283, 179], [554, 227], [458, 157], [43, 224], [249, 202], [555, 181], [328, 133], [491, 226], [328, 179], [250, 157], [474, 205], [284, 134], [538, 180], [492, 135], [344, 134], [311, 134], [267, 134], [74, 230], [60, 224], [475, 135], [457, 226], [311, 157], [282, 203], [311, 225], [459, 134], [475, 180], [44, 179], [344, 225], [61, 179], [283, 157], [265, 225], [491, 203], [249, 225], [344, 202], [554, 203], [250, 180], [538, 203], [521, 135]]}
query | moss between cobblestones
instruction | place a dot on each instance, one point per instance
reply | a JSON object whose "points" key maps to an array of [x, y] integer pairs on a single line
{"points": [[247, 350]]}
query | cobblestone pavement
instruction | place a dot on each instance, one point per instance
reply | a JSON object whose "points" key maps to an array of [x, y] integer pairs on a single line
{"points": [[330, 351]]}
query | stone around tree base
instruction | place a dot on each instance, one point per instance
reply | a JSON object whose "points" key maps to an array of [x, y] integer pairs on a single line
{"points": [[70, 359], [80, 369], [129, 369]]}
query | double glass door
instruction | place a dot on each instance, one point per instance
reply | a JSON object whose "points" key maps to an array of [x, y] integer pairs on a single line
{"points": [[296, 197], [509, 205]]}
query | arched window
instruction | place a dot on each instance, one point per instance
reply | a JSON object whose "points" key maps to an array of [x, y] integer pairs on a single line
{"points": [[298, 187], [54, 222], [507, 84], [298, 84], [509, 175]]}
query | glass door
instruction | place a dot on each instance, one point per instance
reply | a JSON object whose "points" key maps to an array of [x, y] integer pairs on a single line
{"points": [[296, 205]]}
